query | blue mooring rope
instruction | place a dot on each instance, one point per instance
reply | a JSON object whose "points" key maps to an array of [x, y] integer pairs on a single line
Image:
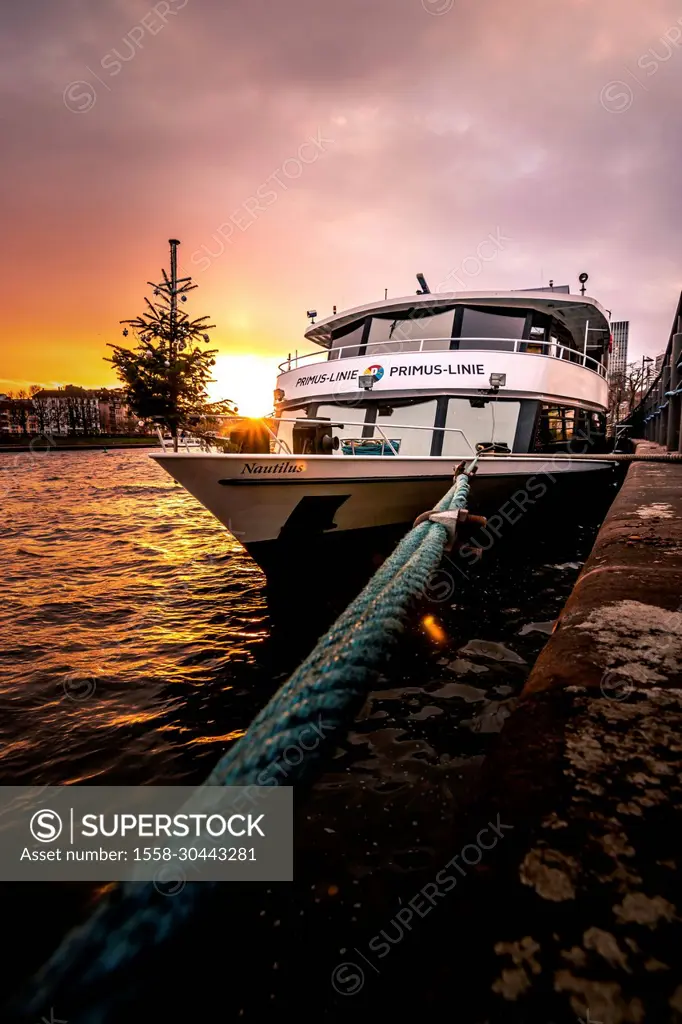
{"points": [[324, 693]]}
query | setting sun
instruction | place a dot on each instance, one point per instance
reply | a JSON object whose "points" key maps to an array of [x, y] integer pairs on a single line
{"points": [[249, 380]]}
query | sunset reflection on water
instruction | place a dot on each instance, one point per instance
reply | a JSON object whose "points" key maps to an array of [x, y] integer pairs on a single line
{"points": [[131, 621]]}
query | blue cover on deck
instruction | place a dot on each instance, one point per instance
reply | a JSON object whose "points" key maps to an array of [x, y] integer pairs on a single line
{"points": [[370, 446]]}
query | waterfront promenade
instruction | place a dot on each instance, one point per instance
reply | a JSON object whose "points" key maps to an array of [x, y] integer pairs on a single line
{"points": [[587, 775]]}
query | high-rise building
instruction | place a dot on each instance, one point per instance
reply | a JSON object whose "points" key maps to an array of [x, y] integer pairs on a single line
{"points": [[620, 332]]}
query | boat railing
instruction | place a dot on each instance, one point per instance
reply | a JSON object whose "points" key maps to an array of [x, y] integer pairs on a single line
{"points": [[284, 448], [186, 442], [524, 346]]}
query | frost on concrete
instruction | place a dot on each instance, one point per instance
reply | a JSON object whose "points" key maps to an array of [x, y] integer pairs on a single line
{"points": [[550, 873], [657, 510], [522, 952], [600, 874], [598, 1000], [512, 983], [642, 909], [640, 642], [605, 945]]}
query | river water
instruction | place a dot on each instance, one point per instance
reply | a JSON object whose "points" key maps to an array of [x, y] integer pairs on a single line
{"points": [[131, 621], [138, 645]]}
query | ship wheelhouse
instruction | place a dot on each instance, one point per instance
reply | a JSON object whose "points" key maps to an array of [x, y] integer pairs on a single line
{"points": [[420, 377]]}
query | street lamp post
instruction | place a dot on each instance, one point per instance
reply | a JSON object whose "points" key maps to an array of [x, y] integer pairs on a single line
{"points": [[646, 359], [645, 381], [171, 287], [165, 331], [173, 338], [174, 243]]}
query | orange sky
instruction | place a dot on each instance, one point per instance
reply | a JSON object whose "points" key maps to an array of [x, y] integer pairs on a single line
{"points": [[339, 149]]}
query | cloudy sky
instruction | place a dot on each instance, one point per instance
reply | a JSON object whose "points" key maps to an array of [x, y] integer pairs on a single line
{"points": [[310, 153]]}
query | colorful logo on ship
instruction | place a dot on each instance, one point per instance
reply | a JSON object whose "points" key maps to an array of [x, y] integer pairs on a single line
{"points": [[376, 370]]}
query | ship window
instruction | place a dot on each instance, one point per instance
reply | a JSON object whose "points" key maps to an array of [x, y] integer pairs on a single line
{"points": [[539, 326], [415, 415], [569, 423], [567, 347], [482, 328], [560, 428], [560, 422], [482, 424], [399, 333], [349, 340], [539, 342]]}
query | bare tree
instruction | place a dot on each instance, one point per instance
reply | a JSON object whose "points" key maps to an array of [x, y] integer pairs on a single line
{"points": [[40, 408], [627, 388], [617, 392], [637, 379], [72, 414], [19, 409], [58, 417]]}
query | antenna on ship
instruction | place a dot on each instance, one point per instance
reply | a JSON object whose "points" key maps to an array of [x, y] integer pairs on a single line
{"points": [[583, 279], [425, 290]]}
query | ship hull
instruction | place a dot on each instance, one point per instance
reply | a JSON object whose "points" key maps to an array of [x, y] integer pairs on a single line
{"points": [[286, 510]]}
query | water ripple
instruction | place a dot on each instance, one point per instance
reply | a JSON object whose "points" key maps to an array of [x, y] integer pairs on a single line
{"points": [[122, 600]]}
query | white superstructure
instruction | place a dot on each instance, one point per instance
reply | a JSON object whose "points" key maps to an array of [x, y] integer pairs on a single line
{"points": [[369, 424]]}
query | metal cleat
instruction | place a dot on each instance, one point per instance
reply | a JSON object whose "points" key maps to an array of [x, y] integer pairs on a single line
{"points": [[458, 523]]}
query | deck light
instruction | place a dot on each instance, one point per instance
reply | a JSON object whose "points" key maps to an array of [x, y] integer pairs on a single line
{"points": [[311, 314], [366, 381], [278, 395], [498, 380]]}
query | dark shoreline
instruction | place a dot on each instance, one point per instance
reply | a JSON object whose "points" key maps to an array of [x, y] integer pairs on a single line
{"points": [[41, 445]]}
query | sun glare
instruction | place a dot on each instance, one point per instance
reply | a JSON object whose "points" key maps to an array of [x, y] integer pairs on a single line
{"points": [[249, 380]]}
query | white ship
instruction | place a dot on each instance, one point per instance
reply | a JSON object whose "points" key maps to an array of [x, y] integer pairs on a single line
{"points": [[369, 426]]}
